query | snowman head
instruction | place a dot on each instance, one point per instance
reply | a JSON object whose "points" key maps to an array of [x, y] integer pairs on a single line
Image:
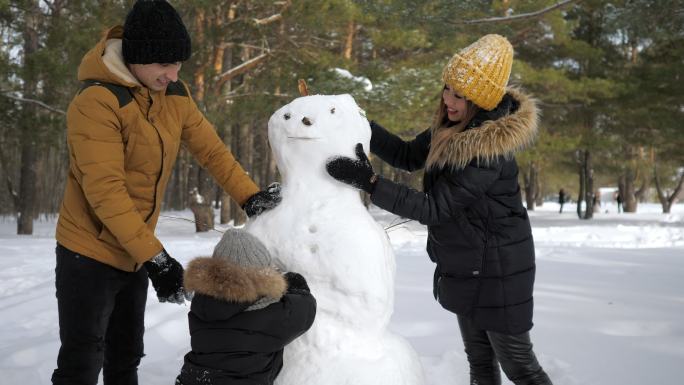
{"points": [[307, 132]]}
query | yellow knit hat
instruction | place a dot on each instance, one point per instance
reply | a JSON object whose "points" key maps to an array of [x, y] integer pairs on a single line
{"points": [[480, 71]]}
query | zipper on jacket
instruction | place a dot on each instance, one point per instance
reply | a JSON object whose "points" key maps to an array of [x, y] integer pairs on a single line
{"points": [[477, 273], [161, 169], [486, 245]]}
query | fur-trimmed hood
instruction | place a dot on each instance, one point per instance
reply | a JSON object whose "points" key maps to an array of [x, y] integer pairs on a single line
{"points": [[493, 138], [227, 281]]}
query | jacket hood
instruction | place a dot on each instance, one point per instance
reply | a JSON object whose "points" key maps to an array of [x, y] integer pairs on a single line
{"points": [[227, 281], [504, 136], [105, 63]]}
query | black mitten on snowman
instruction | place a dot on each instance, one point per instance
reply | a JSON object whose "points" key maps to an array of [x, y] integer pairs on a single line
{"points": [[356, 172]]}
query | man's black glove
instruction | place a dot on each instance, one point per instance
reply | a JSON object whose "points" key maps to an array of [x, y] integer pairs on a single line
{"points": [[166, 275], [296, 283], [263, 200], [356, 172]]}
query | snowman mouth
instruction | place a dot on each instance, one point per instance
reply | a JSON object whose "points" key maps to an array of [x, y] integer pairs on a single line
{"points": [[304, 138]]}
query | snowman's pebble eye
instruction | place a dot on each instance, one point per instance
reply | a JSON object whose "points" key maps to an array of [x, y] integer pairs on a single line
{"points": [[332, 110], [287, 116]]}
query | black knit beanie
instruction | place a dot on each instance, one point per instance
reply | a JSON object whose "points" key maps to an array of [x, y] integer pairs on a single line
{"points": [[154, 33]]}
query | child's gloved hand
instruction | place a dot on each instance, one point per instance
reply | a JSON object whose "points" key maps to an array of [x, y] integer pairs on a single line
{"points": [[296, 283]]}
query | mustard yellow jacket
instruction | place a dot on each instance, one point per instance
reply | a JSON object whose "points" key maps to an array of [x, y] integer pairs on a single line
{"points": [[123, 142]]}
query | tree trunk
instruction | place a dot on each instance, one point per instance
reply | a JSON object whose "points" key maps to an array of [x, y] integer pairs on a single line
{"points": [[667, 201], [641, 195], [531, 185], [589, 186], [237, 214], [27, 182], [349, 41], [225, 208], [662, 197], [202, 210], [629, 202], [178, 185], [539, 190], [582, 183], [206, 190]]}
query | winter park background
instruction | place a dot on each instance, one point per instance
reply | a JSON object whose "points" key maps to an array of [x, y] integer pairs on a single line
{"points": [[609, 300]]}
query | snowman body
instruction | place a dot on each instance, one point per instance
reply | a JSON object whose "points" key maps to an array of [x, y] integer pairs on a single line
{"points": [[322, 230]]}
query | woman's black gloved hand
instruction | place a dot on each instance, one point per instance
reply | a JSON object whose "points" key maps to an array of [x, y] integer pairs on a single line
{"points": [[356, 172], [166, 275], [263, 200]]}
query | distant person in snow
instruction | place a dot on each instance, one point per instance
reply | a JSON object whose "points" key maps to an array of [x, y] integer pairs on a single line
{"points": [[243, 313], [479, 233], [618, 200], [562, 198], [596, 201], [124, 130]]}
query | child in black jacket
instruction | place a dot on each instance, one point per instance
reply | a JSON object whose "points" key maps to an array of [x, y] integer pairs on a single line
{"points": [[243, 314]]}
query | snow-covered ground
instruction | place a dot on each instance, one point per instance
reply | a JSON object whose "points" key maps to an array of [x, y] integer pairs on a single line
{"points": [[609, 300]]}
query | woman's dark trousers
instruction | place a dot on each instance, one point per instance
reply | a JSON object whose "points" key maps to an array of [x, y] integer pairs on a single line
{"points": [[101, 321], [486, 350]]}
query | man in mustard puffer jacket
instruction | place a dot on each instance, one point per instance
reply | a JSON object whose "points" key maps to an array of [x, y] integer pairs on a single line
{"points": [[124, 130]]}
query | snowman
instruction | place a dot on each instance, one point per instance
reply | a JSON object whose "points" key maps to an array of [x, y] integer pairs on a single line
{"points": [[322, 230]]}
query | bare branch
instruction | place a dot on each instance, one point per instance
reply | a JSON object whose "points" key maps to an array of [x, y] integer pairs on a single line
{"points": [[242, 68], [523, 16], [275, 17], [33, 101], [243, 45], [678, 190], [268, 20]]}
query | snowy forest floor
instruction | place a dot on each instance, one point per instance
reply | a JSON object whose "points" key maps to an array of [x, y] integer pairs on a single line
{"points": [[609, 300]]}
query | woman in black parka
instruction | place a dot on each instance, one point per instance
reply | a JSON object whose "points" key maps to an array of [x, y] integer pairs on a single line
{"points": [[479, 233], [243, 313]]}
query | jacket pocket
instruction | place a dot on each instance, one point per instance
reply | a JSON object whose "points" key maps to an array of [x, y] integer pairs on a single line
{"points": [[458, 294], [107, 237]]}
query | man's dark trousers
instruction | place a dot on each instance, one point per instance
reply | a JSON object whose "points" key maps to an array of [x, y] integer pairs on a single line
{"points": [[101, 321]]}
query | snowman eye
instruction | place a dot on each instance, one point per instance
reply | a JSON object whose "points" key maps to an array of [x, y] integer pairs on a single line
{"points": [[332, 110], [287, 116]]}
